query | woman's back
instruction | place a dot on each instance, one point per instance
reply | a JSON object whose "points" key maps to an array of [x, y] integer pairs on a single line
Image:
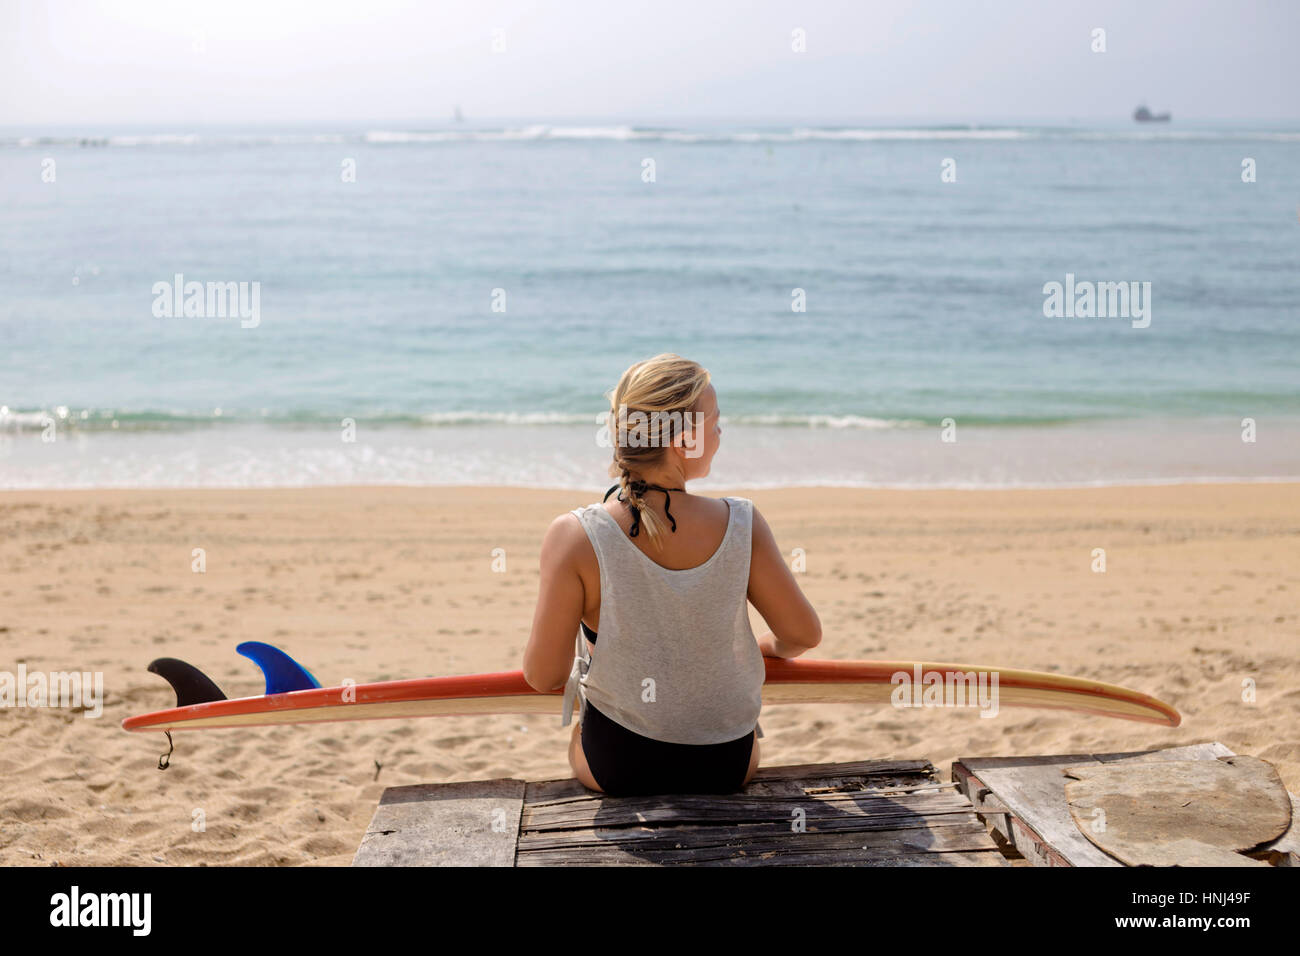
{"points": [[677, 660], [703, 520]]}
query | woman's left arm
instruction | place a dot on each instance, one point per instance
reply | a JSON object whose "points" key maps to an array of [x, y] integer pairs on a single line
{"points": [[548, 658]]}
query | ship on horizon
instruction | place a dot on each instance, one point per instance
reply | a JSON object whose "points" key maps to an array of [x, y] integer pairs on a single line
{"points": [[1144, 115]]}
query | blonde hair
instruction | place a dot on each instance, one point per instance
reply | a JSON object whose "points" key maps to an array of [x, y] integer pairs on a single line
{"points": [[670, 386]]}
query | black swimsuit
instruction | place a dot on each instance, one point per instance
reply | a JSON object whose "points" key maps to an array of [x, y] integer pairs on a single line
{"points": [[626, 763]]}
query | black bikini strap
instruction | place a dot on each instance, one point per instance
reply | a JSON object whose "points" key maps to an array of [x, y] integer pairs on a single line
{"points": [[641, 487], [667, 501]]}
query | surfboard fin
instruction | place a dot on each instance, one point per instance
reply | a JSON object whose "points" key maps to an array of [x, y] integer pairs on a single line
{"points": [[192, 686], [283, 673]]}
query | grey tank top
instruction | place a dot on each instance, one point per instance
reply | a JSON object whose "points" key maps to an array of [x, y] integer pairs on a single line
{"points": [[676, 659]]}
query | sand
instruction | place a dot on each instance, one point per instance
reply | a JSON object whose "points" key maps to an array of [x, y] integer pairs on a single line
{"points": [[1198, 596]]}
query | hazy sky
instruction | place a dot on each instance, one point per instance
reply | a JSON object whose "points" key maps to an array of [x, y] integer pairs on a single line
{"points": [[171, 63]]}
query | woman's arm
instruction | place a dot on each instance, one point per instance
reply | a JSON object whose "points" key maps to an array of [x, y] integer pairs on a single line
{"points": [[773, 591], [548, 658]]}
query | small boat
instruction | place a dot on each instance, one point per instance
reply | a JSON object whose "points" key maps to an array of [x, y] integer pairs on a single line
{"points": [[1144, 115]]}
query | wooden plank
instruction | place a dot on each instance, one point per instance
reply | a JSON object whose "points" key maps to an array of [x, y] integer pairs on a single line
{"points": [[710, 834], [772, 780], [1027, 788], [633, 811], [452, 824], [1180, 812], [963, 858], [862, 813], [856, 768], [1205, 751], [1033, 814], [876, 812], [1285, 850], [673, 845], [772, 795], [844, 858]]}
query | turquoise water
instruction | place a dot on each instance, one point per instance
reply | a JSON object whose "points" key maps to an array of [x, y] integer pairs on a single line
{"points": [[924, 298]]}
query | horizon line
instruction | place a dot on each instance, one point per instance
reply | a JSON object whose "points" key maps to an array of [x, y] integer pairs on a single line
{"points": [[879, 121]]}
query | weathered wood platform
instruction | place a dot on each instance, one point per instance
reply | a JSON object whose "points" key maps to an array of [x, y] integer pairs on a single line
{"points": [[1023, 799], [875, 812]]}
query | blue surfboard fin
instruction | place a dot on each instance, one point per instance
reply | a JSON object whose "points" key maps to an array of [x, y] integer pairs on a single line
{"points": [[283, 673]]}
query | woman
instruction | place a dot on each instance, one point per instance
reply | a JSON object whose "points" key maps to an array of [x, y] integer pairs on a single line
{"points": [[670, 700]]}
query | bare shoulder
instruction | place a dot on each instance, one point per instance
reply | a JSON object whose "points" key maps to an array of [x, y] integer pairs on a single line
{"points": [[564, 532], [762, 530], [566, 541], [725, 505], [715, 511]]}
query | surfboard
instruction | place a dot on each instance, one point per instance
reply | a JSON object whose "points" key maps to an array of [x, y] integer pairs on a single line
{"points": [[294, 696]]}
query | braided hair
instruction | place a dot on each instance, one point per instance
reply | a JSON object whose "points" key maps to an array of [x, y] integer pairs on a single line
{"points": [[655, 396]]}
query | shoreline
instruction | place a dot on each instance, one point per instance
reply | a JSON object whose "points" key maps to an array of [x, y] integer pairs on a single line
{"points": [[712, 490], [566, 456]]}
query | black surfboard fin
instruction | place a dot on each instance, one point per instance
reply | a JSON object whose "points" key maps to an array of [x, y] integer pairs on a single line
{"points": [[192, 686]]}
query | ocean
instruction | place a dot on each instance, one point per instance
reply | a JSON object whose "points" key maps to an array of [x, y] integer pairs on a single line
{"points": [[448, 305]]}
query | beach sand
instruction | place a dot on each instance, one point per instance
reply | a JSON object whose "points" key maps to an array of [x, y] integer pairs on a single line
{"points": [[1198, 596]]}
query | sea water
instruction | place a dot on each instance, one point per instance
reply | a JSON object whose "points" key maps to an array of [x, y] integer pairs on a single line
{"points": [[448, 305]]}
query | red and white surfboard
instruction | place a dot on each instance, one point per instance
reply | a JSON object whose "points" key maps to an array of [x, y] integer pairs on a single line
{"points": [[294, 697]]}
